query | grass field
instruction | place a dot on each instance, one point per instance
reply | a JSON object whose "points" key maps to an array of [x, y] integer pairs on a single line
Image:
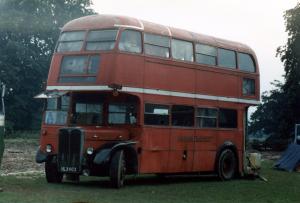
{"points": [[281, 187]]}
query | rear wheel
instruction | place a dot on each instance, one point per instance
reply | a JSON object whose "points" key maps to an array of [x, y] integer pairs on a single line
{"points": [[227, 164], [52, 174], [117, 169]]}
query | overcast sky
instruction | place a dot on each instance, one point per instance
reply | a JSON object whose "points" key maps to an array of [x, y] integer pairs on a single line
{"points": [[257, 23]]}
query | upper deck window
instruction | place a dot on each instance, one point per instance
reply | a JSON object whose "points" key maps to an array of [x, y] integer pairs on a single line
{"points": [[246, 62], [157, 45], [70, 41], [206, 54], [131, 41], [226, 58], [101, 40], [182, 50]]}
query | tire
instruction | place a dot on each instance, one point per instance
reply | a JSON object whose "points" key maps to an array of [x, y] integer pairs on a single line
{"points": [[227, 165], [52, 174], [117, 169]]}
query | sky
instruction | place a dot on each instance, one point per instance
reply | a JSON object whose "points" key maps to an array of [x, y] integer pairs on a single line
{"points": [[257, 23]]}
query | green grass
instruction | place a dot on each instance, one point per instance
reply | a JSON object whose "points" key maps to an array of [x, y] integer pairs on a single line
{"points": [[281, 187]]}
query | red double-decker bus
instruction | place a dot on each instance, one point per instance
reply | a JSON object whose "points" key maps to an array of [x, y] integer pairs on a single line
{"points": [[126, 96]]}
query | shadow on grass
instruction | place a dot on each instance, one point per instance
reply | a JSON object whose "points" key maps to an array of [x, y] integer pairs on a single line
{"points": [[143, 180]]}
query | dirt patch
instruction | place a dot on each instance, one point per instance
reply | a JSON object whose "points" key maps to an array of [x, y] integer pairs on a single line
{"points": [[19, 156]]}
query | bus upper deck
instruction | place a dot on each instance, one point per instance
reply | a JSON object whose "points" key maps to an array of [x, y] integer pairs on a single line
{"points": [[100, 52]]}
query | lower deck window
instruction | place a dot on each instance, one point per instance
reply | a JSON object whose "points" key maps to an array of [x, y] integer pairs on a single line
{"points": [[57, 110], [122, 114], [156, 114], [227, 118], [182, 115], [206, 117]]}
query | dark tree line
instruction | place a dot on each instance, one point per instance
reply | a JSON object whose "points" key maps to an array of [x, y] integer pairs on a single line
{"points": [[280, 108], [29, 30]]}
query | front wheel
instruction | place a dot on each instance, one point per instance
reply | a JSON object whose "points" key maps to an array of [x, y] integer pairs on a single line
{"points": [[52, 174], [117, 169], [227, 164]]}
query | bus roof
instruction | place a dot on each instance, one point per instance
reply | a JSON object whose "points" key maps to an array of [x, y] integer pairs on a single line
{"points": [[110, 21]]}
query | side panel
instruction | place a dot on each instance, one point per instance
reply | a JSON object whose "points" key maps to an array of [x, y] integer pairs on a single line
{"points": [[181, 150], [205, 149], [155, 150]]}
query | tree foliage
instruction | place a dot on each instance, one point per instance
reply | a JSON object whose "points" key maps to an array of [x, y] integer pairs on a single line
{"points": [[29, 30], [280, 108]]}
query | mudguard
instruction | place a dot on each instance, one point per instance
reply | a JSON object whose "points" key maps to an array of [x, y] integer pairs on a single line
{"points": [[104, 154], [226, 144], [41, 156]]}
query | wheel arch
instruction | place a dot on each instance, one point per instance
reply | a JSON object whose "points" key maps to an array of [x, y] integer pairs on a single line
{"points": [[105, 154], [227, 145]]}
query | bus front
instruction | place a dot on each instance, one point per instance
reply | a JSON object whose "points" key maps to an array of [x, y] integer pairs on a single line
{"points": [[89, 125]]}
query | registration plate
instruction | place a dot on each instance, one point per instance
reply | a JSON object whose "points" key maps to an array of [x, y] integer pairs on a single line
{"points": [[69, 169]]}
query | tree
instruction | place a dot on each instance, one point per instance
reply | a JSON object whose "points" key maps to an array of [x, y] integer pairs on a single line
{"points": [[280, 108], [29, 30], [290, 55]]}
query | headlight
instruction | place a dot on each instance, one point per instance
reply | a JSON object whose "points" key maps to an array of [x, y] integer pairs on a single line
{"points": [[48, 148], [90, 150]]}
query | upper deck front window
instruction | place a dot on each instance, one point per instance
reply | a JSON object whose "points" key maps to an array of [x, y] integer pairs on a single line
{"points": [[79, 68], [246, 62], [101, 40], [131, 41], [70, 41]]}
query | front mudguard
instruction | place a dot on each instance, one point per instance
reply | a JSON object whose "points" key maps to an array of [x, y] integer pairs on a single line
{"points": [[104, 155], [41, 156]]}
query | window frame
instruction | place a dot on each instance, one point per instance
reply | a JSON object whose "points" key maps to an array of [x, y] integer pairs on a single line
{"points": [[121, 31], [215, 57], [83, 41], [159, 104], [251, 57], [183, 40], [237, 119], [155, 45], [86, 73], [102, 29], [119, 112], [182, 126], [254, 85], [199, 117], [235, 59], [58, 108]]}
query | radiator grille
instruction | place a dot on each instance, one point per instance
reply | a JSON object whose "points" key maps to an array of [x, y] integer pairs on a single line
{"points": [[70, 148]]}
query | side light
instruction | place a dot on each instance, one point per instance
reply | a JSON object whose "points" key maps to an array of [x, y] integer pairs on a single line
{"points": [[48, 148], [44, 132], [90, 150]]}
